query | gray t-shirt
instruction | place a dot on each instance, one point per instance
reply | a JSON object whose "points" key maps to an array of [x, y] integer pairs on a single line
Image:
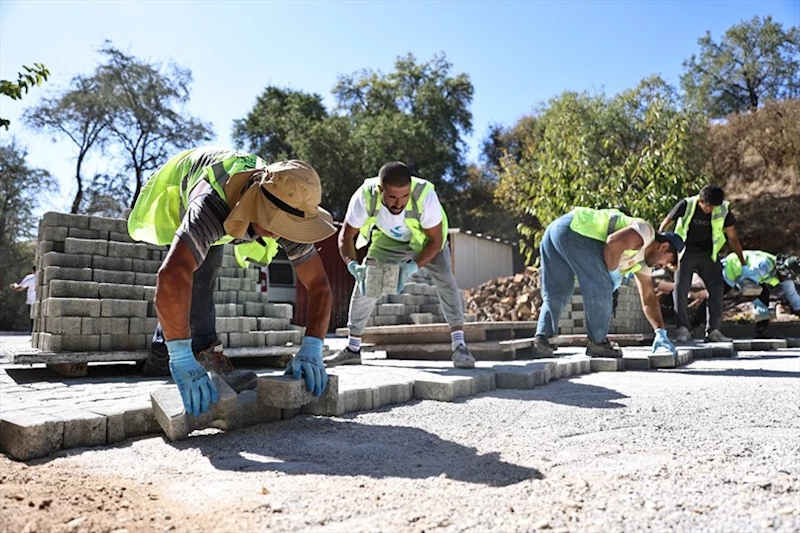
{"points": [[203, 225]]}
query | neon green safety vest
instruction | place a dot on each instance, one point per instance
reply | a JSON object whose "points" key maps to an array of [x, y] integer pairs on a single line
{"points": [[598, 224], [718, 216], [162, 203], [420, 188], [733, 267]]}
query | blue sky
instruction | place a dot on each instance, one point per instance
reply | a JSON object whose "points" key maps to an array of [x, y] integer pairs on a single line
{"points": [[517, 53]]}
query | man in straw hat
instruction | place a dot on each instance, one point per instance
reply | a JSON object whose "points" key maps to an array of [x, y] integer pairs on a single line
{"points": [[209, 196], [402, 216]]}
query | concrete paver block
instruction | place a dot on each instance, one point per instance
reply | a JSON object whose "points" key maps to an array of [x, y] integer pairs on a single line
{"points": [[142, 278], [606, 364], [66, 307], [177, 423], [82, 428], [112, 307], [85, 246], [722, 349], [251, 412], [69, 343], [767, 344], [87, 234], [69, 220], [442, 388], [636, 361], [103, 262], [114, 291], [684, 357], [793, 342], [392, 394], [278, 311], [662, 360], [119, 236], [64, 325], [741, 345], [702, 351], [65, 273], [69, 370], [285, 392], [60, 288], [26, 435], [115, 422], [522, 377], [118, 225], [140, 420], [65, 260]]}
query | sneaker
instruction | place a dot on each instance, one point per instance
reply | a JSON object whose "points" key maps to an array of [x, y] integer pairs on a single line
{"points": [[683, 335], [716, 336], [213, 360], [603, 349], [540, 347], [462, 358], [343, 357], [157, 363]]}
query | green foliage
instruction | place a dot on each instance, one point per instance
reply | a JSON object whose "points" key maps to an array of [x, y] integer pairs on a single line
{"points": [[107, 196], [31, 76], [755, 60], [636, 150], [417, 114]]}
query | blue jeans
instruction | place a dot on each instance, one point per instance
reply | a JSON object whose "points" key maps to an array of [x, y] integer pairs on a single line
{"points": [[566, 255], [203, 314]]}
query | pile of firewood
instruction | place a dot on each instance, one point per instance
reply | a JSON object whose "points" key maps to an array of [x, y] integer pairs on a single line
{"points": [[515, 297]]}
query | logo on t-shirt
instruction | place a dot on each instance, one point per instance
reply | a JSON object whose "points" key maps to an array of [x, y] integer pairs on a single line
{"points": [[398, 231]]}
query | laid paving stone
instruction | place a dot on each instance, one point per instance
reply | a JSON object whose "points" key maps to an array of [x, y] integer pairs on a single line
{"points": [[741, 345], [606, 364], [115, 422], [285, 392], [251, 412], [662, 360], [793, 342], [26, 435], [392, 394], [767, 344], [82, 428], [442, 388], [684, 357], [140, 420], [636, 361], [701, 351], [722, 349], [178, 424], [524, 377]]}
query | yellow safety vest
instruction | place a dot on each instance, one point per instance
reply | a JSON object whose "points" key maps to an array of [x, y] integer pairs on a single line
{"points": [[162, 203], [420, 188], [598, 224], [718, 216]]}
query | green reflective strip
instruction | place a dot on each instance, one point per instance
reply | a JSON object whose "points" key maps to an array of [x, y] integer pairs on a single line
{"points": [[612, 224], [220, 174]]}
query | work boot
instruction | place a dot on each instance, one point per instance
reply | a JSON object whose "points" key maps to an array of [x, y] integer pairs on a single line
{"points": [[603, 349], [541, 347], [716, 336], [213, 360], [343, 357], [462, 358], [683, 334], [157, 363]]}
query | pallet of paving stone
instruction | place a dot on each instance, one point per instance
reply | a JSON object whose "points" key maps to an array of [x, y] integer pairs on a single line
{"points": [[440, 333], [268, 355]]}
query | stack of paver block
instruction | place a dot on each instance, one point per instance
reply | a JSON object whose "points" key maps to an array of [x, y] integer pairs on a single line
{"points": [[418, 304], [95, 292], [627, 319]]}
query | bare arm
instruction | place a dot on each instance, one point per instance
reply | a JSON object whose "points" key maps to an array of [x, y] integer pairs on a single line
{"points": [[347, 247], [17, 287], [433, 247], [650, 304], [618, 242], [733, 239], [320, 296], [174, 291]]}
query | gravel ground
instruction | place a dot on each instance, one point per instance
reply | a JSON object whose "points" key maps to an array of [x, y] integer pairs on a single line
{"points": [[714, 446]]}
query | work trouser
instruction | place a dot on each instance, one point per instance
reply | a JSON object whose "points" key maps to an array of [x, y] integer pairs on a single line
{"points": [[203, 315], [566, 255], [386, 250], [711, 272]]}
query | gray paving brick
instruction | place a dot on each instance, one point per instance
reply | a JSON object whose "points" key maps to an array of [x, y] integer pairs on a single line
{"points": [[56, 259], [66, 325], [663, 360], [69, 343], [111, 342], [118, 225], [278, 311], [254, 309], [104, 325], [767, 344], [112, 263], [26, 435], [60, 288], [272, 324], [636, 361], [52, 218], [82, 428], [392, 394], [285, 392], [443, 388], [79, 233], [142, 278], [55, 307], [120, 292], [146, 326], [177, 423], [66, 273], [251, 412], [140, 420], [145, 265], [606, 364], [85, 246], [115, 422], [119, 236], [742, 345], [722, 349], [280, 338], [123, 308], [53, 233], [113, 277]]}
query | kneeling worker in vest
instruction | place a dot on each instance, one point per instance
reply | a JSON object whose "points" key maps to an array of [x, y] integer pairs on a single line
{"points": [[599, 246], [407, 224], [777, 275], [203, 198], [705, 223]]}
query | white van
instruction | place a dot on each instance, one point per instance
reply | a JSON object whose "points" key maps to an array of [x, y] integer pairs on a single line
{"points": [[278, 280]]}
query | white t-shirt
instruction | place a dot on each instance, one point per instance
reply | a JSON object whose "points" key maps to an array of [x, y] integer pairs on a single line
{"points": [[29, 282], [648, 234], [393, 226]]}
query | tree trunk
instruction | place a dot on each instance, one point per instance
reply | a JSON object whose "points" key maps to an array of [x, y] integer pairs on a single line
{"points": [[76, 203], [138, 186]]}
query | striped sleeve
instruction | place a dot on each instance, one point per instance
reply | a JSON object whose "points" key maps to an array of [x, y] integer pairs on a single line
{"points": [[203, 223], [298, 253]]}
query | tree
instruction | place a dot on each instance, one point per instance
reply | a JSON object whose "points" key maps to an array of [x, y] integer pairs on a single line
{"points": [[81, 113], [755, 60], [21, 190], [637, 150], [34, 75], [147, 119], [107, 196]]}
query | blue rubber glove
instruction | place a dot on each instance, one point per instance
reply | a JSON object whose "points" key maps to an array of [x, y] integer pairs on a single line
{"points": [[308, 363], [359, 272], [760, 311], [616, 279], [662, 341], [197, 390], [407, 269]]}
